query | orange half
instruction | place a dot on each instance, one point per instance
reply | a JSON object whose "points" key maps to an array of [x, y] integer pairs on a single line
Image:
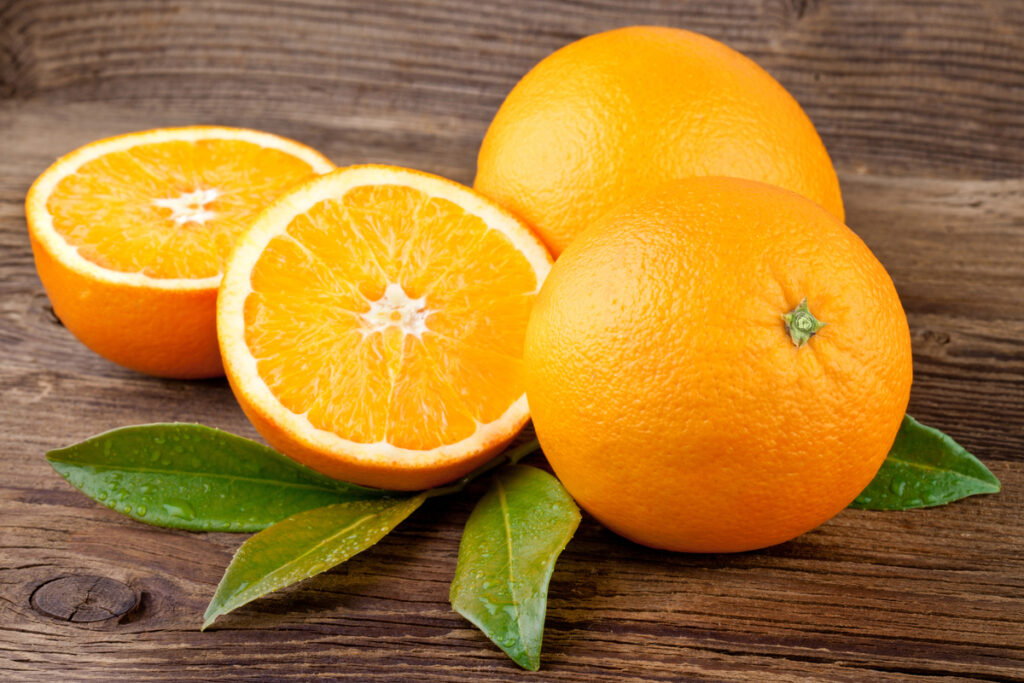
{"points": [[130, 235], [372, 323]]}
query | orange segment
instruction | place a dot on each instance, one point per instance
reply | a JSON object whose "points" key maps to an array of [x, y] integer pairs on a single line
{"points": [[372, 324], [425, 410], [130, 235], [484, 378], [486, 330]]}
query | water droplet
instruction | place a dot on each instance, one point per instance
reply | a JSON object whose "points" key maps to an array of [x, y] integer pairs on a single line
{"points": [[897, 486], [206, 488], [144, 489], [102, 495], [179, 508], [932, 497], [127, 509], [158, 440], [141, 510], [491, 608]]}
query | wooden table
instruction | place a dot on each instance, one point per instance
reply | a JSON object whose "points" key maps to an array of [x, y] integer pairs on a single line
{"points": [[922, 107]]}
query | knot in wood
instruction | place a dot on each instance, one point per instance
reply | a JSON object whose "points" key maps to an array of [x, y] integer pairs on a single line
{"points": [[83, 599]]}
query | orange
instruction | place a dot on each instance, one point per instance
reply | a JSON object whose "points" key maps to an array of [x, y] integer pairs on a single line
{"points": [[372, 323], [130, 235], [681, 391], [618, 112]]}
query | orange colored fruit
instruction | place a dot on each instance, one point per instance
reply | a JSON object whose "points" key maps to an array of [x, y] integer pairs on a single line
{"points": [[372, 322], [670, 393], [616, 113], [130, 235]]}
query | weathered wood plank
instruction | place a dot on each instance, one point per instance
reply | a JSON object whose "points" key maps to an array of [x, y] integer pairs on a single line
{"points": [[932, 88], [868, 592], [922, 105]]}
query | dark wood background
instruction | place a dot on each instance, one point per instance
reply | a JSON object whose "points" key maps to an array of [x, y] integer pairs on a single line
{"points": [[922, 107]]}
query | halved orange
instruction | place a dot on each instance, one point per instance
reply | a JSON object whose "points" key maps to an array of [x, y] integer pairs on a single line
{"points": [[130, 235], [372, 323]]}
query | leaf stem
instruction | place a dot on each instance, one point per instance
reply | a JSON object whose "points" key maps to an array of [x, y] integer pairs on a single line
{"points": [[510, 456]]}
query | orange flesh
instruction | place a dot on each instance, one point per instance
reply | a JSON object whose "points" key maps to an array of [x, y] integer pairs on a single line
{"points": [[106, 208], [420, 376]]}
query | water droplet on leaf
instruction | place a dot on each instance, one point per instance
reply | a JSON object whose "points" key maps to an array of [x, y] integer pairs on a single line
{"points": [[179, 508]]}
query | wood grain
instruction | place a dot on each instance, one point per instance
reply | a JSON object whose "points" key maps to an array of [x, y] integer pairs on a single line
{"points": [[922, 107]]}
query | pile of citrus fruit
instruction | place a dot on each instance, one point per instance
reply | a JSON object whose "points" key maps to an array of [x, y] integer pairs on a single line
{"points": [[714, 363]]}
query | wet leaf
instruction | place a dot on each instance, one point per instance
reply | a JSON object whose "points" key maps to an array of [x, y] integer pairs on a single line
{"points": [[188, 476], [925, 468], [305, 545], [508, 552]]}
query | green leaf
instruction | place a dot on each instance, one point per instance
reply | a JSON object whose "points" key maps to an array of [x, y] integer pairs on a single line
{"points": [[305, 545], [925, 468], [188, 476], [506, 558]]}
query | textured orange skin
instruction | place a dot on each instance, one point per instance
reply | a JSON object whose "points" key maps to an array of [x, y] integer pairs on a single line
{"points": [[619, 112], [664, 387], [159, 332]]}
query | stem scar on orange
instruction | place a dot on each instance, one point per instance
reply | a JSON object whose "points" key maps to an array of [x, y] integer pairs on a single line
{"points": [[718, 366], [130, 235], [615, 113], [372, 323]]}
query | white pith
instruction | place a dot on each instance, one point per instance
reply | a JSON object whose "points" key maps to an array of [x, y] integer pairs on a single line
{"points": [[190, 207], [41, 222], [240, 362], [395, 308]]}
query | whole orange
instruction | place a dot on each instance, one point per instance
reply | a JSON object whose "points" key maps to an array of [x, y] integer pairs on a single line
{"points": [[683, 394], [612, 114]]}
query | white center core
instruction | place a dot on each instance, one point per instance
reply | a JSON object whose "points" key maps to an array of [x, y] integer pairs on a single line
{"points": [[190, 207], [396, 309]]}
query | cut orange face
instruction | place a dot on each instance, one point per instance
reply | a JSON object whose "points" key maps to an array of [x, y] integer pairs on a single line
{"points": [[372, 323], [130, 235]]}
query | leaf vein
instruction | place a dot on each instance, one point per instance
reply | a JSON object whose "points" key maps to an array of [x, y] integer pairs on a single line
{"points": [[505, 517], [932, 468]]}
